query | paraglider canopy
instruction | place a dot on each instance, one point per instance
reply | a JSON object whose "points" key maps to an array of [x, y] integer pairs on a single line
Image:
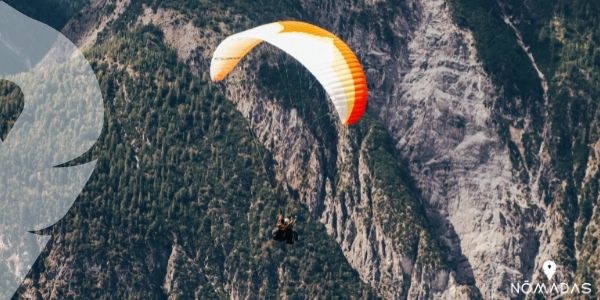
{"points": [[327, 57]]}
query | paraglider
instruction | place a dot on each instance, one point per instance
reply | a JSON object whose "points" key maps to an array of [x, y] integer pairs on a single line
{"points": [[285, 229], [327, 57]]}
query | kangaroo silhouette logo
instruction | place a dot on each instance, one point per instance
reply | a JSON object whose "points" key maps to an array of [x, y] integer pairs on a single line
{"points": [[61, 119]]}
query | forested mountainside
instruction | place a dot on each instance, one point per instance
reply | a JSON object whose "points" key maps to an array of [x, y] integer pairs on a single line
{"points": [[478, 159]]}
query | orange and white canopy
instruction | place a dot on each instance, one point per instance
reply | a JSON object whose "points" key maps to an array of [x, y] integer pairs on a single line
{"points": [[327, 57]]}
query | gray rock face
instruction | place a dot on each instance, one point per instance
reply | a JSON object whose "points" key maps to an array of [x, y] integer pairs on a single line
{"points": [[436, 101], [439, 114], [179, 268]]}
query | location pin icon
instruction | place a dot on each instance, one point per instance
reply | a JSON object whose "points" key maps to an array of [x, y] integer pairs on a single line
{"points": [[549, 269]]}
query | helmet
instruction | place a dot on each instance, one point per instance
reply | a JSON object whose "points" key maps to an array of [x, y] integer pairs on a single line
{"points": [[287, 220]]}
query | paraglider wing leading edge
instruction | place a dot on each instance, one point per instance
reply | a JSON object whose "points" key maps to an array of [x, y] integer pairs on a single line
{"points": [[327, 57]]}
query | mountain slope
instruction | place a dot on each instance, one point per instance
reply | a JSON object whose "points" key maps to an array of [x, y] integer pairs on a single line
{"points": [[182, 202], [478, 160], [386, 228]]}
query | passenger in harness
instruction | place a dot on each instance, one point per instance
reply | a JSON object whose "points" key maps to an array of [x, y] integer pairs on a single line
{"points": [[285, 229]]}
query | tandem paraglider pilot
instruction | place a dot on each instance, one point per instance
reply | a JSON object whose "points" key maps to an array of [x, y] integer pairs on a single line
{"points": [[285, 229]]}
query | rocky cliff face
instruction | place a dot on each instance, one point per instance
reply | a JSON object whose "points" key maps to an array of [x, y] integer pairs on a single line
{"points": [[435, 99], [442, 121], [439, 109], [326, 169], [450, 188], [557, 115]]}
